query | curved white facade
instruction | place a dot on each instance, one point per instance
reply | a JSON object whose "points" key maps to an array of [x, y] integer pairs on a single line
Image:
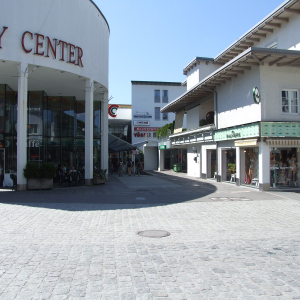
{"points": [[60, 48]]}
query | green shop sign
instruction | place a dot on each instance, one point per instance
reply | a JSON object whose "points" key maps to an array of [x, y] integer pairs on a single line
{"points": [[239, 132], [162, 147], [280, 129]]}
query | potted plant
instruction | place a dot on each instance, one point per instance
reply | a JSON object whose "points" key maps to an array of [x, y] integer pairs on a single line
{"points": [[99, 176], [39, 177]]}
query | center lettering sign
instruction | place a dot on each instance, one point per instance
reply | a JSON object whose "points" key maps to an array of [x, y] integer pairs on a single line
{"points": [[40, 45]]}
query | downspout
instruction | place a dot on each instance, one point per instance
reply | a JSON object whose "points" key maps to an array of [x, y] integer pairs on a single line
{"points": [[216, 125]]}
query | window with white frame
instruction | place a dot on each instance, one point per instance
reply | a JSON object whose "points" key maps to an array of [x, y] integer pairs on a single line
{"points": [[165, 116], [272, 46], [290, 101], [157, 96], [157, 113]]}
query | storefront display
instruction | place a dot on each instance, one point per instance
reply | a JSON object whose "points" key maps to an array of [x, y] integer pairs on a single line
{"points": [[251, 166], [230, 156], [284, 167]]}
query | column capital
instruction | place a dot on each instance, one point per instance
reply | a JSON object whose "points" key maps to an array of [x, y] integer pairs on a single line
{"points": [[22, 70], [89, 84]]}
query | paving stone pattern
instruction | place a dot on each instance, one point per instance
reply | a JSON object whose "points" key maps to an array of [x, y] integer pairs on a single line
{"points": [[216, 250]]}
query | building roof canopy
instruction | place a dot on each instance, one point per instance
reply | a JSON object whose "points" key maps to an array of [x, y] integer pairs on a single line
{"points": [[238, 65]]}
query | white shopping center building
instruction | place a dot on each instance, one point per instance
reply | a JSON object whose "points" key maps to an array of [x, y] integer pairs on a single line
{"points": [[242, 107], [53, 86]]}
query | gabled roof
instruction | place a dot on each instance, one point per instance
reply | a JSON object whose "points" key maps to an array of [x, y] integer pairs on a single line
{"points": [[238, 65]]}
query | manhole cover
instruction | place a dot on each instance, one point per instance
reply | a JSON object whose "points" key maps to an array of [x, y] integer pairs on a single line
{"points": [[154, 233]]}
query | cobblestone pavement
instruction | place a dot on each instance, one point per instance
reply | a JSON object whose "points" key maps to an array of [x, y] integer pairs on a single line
{"points": [[82, 243]]}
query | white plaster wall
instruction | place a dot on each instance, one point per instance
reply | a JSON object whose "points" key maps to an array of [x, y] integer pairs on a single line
{"points": [[192, 77], [142, 97], [287, 37], [205, 108], [150, 158], [235, 100], [273, 80], [199, 72], [74, 21], [193, 168], [192, 118]]}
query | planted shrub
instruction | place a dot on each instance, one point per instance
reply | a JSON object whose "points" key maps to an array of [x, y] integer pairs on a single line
{"points": [[32, 171], [48, 170]]}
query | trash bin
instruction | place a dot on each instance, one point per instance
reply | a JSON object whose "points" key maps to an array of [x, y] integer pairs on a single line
{"points": [[177, 167]]}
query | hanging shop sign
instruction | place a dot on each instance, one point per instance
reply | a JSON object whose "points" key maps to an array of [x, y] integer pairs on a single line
{"points": [[141, 123], [146, 128], [112, 110], [280, 129], [239, 132]]}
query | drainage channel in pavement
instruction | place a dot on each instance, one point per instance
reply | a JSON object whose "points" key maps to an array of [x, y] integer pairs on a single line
{"points": [[230, 199], [154, 233]]}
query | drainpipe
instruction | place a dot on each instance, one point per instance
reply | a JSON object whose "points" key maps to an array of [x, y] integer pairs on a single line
{"points": [[216, 125]]}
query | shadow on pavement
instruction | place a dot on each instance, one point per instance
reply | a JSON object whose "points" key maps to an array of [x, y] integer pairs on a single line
{"points": [[113, 195]]}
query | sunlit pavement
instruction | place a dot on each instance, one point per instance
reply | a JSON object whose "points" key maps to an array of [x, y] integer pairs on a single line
{"points": [[225, 242]]}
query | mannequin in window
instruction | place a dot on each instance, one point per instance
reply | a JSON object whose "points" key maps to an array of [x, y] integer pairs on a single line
{"points": [[292, 170], [252, 166]]}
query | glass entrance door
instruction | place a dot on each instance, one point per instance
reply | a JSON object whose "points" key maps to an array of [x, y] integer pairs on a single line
{"points": [[2, 164]]}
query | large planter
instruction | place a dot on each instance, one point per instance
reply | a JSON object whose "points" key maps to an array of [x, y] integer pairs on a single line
{"points": [[40, 184], [98, 180]]}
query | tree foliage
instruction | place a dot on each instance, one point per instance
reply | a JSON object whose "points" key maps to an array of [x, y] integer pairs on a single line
{"points": [[163, 131]]}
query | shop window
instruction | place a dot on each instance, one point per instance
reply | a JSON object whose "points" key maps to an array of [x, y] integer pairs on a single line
{"points": [[230, 163], [251, 166], [284, 167], [290, 101], [32, 128]]}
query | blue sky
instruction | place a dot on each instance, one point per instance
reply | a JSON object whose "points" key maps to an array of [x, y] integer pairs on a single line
{"points": [[154, 40]]}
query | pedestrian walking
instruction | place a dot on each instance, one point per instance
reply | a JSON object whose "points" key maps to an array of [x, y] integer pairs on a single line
{"points": [[139, 167], [129, 165]]}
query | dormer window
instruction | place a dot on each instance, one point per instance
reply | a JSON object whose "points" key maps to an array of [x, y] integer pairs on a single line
{"points": [[272, 46]]}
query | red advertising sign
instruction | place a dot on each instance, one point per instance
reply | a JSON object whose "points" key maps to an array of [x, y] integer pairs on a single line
{"points": [[146, 128]]}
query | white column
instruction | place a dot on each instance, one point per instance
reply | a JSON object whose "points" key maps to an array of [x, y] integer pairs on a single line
{"points": [[22, 125], [161, 160], [264, 167], [89, 110], [238, 178], [104, 133]]}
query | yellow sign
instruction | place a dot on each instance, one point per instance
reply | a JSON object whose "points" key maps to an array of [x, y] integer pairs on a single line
{"points": [[246, 143]]}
